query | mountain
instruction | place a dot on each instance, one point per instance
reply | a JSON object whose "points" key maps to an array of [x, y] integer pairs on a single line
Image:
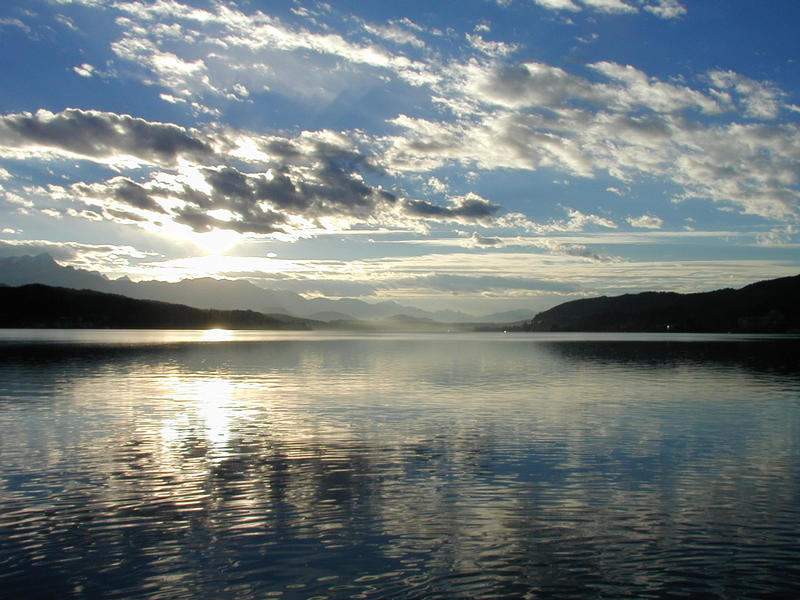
{"points": [[762, 307], [207, 292], [22, 270], [37, 305]]}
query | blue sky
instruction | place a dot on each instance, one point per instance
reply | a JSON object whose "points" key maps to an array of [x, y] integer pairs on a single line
{"points": [[478, 155]]}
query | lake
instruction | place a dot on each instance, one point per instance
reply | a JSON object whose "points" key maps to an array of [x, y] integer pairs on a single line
{"points": [[156, 464]]}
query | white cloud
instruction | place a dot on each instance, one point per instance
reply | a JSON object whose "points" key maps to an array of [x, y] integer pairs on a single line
{"points": [[534, 115], [12, 22], [646, 222], [558, 4], [192, 51], [666, 9], [779, 237], [640, 90], [610, 6], [761, 100], [396, 32], [84, 70], [491, 48]]}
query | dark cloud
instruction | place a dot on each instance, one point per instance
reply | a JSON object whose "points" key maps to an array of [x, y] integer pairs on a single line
{"points": [[123, 215], [131, 193], [281, 192], [313, 178], [582, 251], [466, 208], [229, 184], [282, 148], [479, 240], [263, 202], [259, 222], [102, 135], [124, 191]]}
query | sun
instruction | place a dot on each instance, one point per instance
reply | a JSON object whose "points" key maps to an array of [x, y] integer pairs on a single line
{"points": [[217, 241]]}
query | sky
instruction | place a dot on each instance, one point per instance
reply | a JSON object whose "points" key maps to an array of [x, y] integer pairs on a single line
{"points": [[477, 155]]}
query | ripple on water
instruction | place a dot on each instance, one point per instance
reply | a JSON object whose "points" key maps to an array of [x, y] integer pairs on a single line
{"points": [[399, 468]]}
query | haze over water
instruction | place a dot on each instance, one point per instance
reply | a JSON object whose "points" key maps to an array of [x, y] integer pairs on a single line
{"points": [[307, 465]]}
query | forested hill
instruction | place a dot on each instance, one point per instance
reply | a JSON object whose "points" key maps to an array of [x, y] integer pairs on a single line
{"points": [[40, 306], [765, 307]]}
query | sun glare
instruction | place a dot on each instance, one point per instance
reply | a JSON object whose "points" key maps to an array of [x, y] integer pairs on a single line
{"points": [[217, 335], [217, 241]]}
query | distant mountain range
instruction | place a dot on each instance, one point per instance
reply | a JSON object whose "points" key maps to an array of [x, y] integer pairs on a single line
{"points": [[763, 307], [223, 294]]}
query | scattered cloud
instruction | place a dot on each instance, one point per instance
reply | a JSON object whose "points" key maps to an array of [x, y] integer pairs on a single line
{"points": [[666, 9], [84, 70], [489, 48], [760, 100], [779, 237], [13, 22], [646, 222]]}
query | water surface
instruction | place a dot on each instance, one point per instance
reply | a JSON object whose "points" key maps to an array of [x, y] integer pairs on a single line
{"points": [[148, 464]]}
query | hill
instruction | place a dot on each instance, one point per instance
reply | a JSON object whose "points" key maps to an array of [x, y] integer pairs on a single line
{"points": [[771, 306], [40, 306]]}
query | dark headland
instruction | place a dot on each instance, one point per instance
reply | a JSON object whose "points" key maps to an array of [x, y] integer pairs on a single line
{"points": [[44, 306], [771, 306]]}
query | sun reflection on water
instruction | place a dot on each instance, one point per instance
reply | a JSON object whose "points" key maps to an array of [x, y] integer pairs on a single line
{"points": [[210, 412]]}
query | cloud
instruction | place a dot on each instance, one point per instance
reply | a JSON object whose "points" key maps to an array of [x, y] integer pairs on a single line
{"points": [[470, 208], [84, 70], [666, 9], [396, 31], [638, 89], [760, 100], [778, 237], [646, 222], [610, 6], [12, 22], [558, 5], [122, 192], [306, 185], [626, 124], [194, 52], [102, 136], [93, 257], [559, 247], [603, 6], [476, 240], [490, 48]]}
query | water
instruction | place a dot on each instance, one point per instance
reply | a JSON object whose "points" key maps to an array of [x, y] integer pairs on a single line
{"points": [[306, 465]]}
